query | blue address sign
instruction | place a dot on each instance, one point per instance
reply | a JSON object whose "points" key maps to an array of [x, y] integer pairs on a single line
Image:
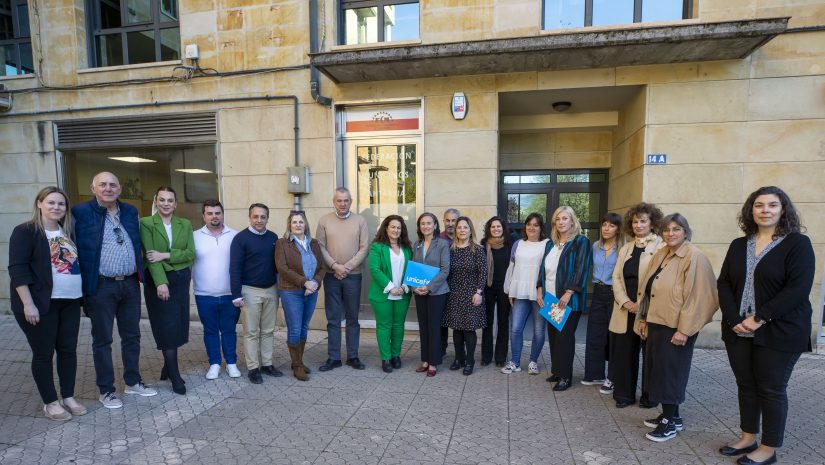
{"points": [[657, 159]]}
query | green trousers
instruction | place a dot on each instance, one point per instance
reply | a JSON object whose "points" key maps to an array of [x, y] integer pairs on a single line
{"points": [[389, 326]]}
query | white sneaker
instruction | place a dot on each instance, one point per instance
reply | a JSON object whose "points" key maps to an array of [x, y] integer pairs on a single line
{"points": [[110, 400], [533, 368], [233, 370], [510, 368], [214, 371], [141, 390]]}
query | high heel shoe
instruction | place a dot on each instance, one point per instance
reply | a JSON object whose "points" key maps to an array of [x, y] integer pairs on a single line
{"points": [[164, 373]]}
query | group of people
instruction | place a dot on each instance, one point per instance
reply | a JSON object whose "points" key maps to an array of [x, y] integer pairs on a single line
{"points": [[650, 295]]}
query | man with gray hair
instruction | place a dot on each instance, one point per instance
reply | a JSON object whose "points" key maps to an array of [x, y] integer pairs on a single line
{"points": [[108, 244], [344, 239]]}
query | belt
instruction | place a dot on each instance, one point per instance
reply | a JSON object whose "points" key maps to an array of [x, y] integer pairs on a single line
{"points": [[603, 285], [117, 278]]}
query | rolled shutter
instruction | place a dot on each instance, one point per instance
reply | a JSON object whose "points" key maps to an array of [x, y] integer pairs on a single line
{"points": [[137, 131]]}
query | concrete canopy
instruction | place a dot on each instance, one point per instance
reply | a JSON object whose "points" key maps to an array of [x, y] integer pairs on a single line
{"points": [[641, 45]]}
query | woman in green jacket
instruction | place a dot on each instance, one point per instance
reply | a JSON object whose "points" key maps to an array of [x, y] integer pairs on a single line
{"points": [[169, 247], [390, 298]]}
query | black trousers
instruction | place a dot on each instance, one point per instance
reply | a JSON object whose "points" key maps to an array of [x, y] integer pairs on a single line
{"points": [[762, 376], [624, 362], [55, 332], [498, 304], [465, 345], [429, 309], [563, 346], [596, 351], [444, 334]]}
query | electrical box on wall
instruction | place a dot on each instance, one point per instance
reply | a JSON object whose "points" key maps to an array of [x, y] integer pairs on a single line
{"points": [[191, 52], [297, 179]]}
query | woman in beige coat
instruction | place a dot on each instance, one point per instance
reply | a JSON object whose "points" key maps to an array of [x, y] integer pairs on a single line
{"points": [[677, 297], [640, 222]]}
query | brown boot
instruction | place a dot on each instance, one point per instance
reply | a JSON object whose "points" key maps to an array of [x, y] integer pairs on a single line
{"points": [[297, 366], [301, 345]]}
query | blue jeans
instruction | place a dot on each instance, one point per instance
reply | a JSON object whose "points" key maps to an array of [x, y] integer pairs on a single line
{"points": [[342, 299], [219, 318], [121, 300], [522, 310], [298, 310]]}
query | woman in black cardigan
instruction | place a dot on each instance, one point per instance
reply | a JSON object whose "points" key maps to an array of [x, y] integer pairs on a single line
{"points": [[45, 298], [764, 289]]}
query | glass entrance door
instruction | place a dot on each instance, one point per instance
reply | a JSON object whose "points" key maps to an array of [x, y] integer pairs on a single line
{"points": [[525, 192], [382, 174]]}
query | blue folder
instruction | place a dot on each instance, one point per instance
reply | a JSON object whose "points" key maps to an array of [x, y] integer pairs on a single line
{"points": [[419, 274], [551, 312]]}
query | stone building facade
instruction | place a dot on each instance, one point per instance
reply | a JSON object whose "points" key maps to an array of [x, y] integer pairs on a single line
{"points": [[361, 93]]}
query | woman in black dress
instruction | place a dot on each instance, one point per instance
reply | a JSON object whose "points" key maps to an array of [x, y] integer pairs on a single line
{"points": [[764, 290], [465, 312], [496, 243]]}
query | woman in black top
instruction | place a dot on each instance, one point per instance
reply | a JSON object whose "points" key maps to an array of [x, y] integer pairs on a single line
{"points": [[496, 242], [764, 290], [45, 297]]}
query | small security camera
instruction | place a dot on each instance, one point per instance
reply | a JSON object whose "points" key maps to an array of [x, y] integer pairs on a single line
{"points": [[561, 106]]}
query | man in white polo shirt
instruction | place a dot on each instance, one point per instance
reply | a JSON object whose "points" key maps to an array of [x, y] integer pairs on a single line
{"points": [[210, 276]]}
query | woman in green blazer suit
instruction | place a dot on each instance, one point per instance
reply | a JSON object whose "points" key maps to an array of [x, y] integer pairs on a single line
{"points": [[169, 247], [390, 298]]}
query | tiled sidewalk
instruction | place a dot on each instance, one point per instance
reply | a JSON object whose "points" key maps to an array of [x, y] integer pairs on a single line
{"points": [[368, 417]]}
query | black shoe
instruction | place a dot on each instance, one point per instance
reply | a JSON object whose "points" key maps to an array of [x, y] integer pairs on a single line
{"points": [[733, 452], [355, 363], [553, 379], [744, 460], [468, 368], [499, 364], [386, 366], [484, 363], [456, 365], [396, 362], [270, 370], [180, 389], [330, 364], [677, 422], [562, 385], [665, 431], [255, 376], [624, 403], [164, 373], [644, 403]]}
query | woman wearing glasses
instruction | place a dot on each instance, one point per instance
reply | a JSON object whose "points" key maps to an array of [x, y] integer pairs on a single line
{"points": [[169, 246]]}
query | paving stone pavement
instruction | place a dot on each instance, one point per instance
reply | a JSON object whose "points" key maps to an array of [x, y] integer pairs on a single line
{"points": [[368, 417]]}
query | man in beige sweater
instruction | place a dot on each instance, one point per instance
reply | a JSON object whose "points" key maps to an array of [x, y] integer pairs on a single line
{"points": [[344, 239]]}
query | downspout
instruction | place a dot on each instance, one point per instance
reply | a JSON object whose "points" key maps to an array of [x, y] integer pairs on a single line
{"points": [[314, 75]]}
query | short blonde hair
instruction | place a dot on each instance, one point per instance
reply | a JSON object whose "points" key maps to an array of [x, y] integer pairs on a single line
{"points": [[472, 238], [289, 217], [577, 227]]}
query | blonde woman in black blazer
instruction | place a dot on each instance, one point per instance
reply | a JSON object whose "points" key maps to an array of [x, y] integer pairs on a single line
{"points": [[45, 298]]}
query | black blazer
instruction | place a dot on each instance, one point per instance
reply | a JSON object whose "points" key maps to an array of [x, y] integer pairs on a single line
{"points": [[30, 264], [782, 284]]}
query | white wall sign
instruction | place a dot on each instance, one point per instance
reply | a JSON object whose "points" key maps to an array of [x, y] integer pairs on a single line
{"points": [[459, 105]]}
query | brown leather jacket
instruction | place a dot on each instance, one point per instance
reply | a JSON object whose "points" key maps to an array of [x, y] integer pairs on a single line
{"points": [[290, 269]]}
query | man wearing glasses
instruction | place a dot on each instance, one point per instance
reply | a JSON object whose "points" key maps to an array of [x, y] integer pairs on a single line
{"points": [[108, 242]]}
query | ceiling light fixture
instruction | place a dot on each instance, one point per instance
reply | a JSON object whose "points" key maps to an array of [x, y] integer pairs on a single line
{"points": [[562, 106], [192, 171], [133, 159]]}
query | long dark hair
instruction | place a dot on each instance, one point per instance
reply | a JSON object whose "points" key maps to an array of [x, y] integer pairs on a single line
{"points": [[788, 223], [488, 235], [542, 227], [616, 220], [436, 231], [382, 236]]}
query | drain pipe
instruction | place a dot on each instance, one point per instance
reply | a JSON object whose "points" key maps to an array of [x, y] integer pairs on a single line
{"points": [[314, 75]]}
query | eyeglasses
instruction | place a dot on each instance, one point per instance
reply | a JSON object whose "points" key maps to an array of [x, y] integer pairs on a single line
{"points": [[118, 235]]}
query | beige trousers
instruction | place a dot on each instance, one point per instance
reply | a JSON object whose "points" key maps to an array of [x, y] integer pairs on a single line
{"points": [[258, 318]]}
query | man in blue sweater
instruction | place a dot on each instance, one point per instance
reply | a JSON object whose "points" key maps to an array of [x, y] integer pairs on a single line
{"points": [[252, 280]]}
